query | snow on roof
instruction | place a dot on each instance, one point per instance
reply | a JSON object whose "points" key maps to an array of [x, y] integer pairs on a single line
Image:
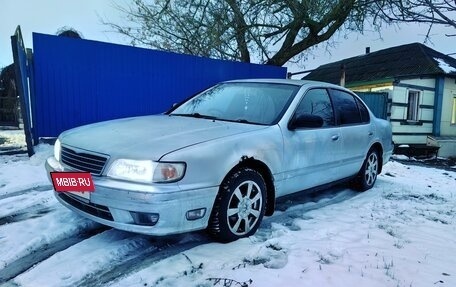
{"points": [[447, 68]]}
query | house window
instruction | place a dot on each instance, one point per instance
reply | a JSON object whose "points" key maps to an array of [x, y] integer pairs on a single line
{"points": [[453, 114], [413, 105]]}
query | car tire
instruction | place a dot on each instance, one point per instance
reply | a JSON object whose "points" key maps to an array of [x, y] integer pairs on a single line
{"points": [[239, 206], [368, 174]]}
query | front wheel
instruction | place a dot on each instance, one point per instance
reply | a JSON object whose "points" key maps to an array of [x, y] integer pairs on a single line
{"points": [[368, 173], [239, 207]]}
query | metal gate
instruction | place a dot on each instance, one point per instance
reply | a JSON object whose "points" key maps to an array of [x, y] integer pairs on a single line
{"points": [[22, 85], [377, 103]]}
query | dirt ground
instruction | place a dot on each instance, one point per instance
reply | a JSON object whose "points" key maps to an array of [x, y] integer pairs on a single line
{"points": [[437, 162]]}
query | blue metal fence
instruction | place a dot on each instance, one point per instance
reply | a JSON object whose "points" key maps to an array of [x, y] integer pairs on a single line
{"points": [[377, 103], [77, 82]]}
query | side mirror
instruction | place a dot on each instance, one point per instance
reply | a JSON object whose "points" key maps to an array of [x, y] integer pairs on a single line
{"points": [[306, 121]]}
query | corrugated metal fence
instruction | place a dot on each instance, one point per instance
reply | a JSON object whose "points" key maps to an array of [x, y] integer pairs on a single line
{"points": [[77, 82], [377, 103]]}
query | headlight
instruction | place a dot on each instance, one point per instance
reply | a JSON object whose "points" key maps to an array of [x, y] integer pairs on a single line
{"points": [[57, 149], [146, 171]]}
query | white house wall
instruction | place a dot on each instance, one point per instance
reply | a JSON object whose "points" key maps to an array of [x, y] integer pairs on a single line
{"points": [[449, 92], [409, 139], [426, 82], [404, 133], [407, 132]]}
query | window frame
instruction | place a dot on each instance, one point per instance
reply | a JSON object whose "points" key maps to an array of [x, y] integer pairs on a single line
{"points": [[302, 99], [416, 107], [453, 113]]}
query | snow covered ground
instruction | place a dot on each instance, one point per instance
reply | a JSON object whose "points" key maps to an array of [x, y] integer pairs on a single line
{"points": [[400, 233], [12, 140]]}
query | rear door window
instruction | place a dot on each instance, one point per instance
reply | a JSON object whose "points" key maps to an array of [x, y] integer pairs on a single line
{"points": [[347, 112]]}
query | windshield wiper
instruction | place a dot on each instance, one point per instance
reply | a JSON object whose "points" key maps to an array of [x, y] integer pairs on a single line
{"points": [[244, 121], [195, 115]]}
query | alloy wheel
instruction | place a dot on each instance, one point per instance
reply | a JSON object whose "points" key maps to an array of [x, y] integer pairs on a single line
{"points": [[244, 208], [371, 169]]}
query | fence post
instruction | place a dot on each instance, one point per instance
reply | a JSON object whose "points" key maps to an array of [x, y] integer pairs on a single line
{"points": [[20, 68]]}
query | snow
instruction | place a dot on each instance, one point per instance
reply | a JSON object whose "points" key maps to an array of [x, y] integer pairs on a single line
{"points": [[400, 157], [73, 264], [14, 176], [12, 138], [18, 239], [447, 68], [400, 233]]}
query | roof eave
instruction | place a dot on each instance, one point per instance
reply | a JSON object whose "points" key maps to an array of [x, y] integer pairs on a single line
{"points": [[381, 82]]}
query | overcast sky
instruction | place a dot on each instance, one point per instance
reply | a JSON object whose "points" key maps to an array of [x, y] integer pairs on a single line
{"points": [[47, 16]]}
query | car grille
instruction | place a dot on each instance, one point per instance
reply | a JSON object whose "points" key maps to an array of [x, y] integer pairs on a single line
{"points": [[97, 210], [83, 161]]}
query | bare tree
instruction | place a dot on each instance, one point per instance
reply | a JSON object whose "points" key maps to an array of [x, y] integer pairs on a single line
{"points": [[70, 32], [266, 31], [431, 12]]}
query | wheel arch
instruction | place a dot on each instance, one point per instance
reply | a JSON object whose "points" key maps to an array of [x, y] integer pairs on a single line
{"points": [[263, 169]]}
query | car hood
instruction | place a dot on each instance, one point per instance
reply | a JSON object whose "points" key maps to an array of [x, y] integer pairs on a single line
{"points": [[150, 137]]}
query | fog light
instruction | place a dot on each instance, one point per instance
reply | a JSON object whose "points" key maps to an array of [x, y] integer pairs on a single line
{"points": [[196, 214], [142, 218]]}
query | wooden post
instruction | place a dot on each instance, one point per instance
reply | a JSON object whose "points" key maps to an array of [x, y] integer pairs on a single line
{"points": [[342, 75]]}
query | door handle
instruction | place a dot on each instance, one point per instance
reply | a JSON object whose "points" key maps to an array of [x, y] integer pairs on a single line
{"points": [[335, 137], [371, 134]]}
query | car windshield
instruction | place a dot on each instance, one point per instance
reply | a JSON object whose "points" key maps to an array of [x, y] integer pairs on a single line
{"points": [[256, 103]]}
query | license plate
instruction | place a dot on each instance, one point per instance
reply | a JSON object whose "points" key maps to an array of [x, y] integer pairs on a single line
{"points": [[83, 194]]}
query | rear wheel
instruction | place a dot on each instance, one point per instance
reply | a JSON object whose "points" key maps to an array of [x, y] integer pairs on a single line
{"points": [[239, 207], [368, 173]]}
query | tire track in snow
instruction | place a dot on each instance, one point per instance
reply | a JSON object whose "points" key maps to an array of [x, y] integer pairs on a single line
{"points": [[100, 254], [27, 213], [138, 261], [41, 235], [24, 263], [43, 187], [163, 250], [26, 204], [319, 198], [295, 206]]}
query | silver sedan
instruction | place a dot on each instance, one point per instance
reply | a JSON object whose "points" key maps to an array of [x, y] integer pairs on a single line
{"points": [[219, 160]]}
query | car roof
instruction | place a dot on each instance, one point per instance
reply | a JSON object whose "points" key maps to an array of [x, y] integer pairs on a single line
{"points": [[286, 81]]}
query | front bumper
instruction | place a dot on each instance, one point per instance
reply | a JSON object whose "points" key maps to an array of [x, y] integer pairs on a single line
{"points": [[115, 203]]}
